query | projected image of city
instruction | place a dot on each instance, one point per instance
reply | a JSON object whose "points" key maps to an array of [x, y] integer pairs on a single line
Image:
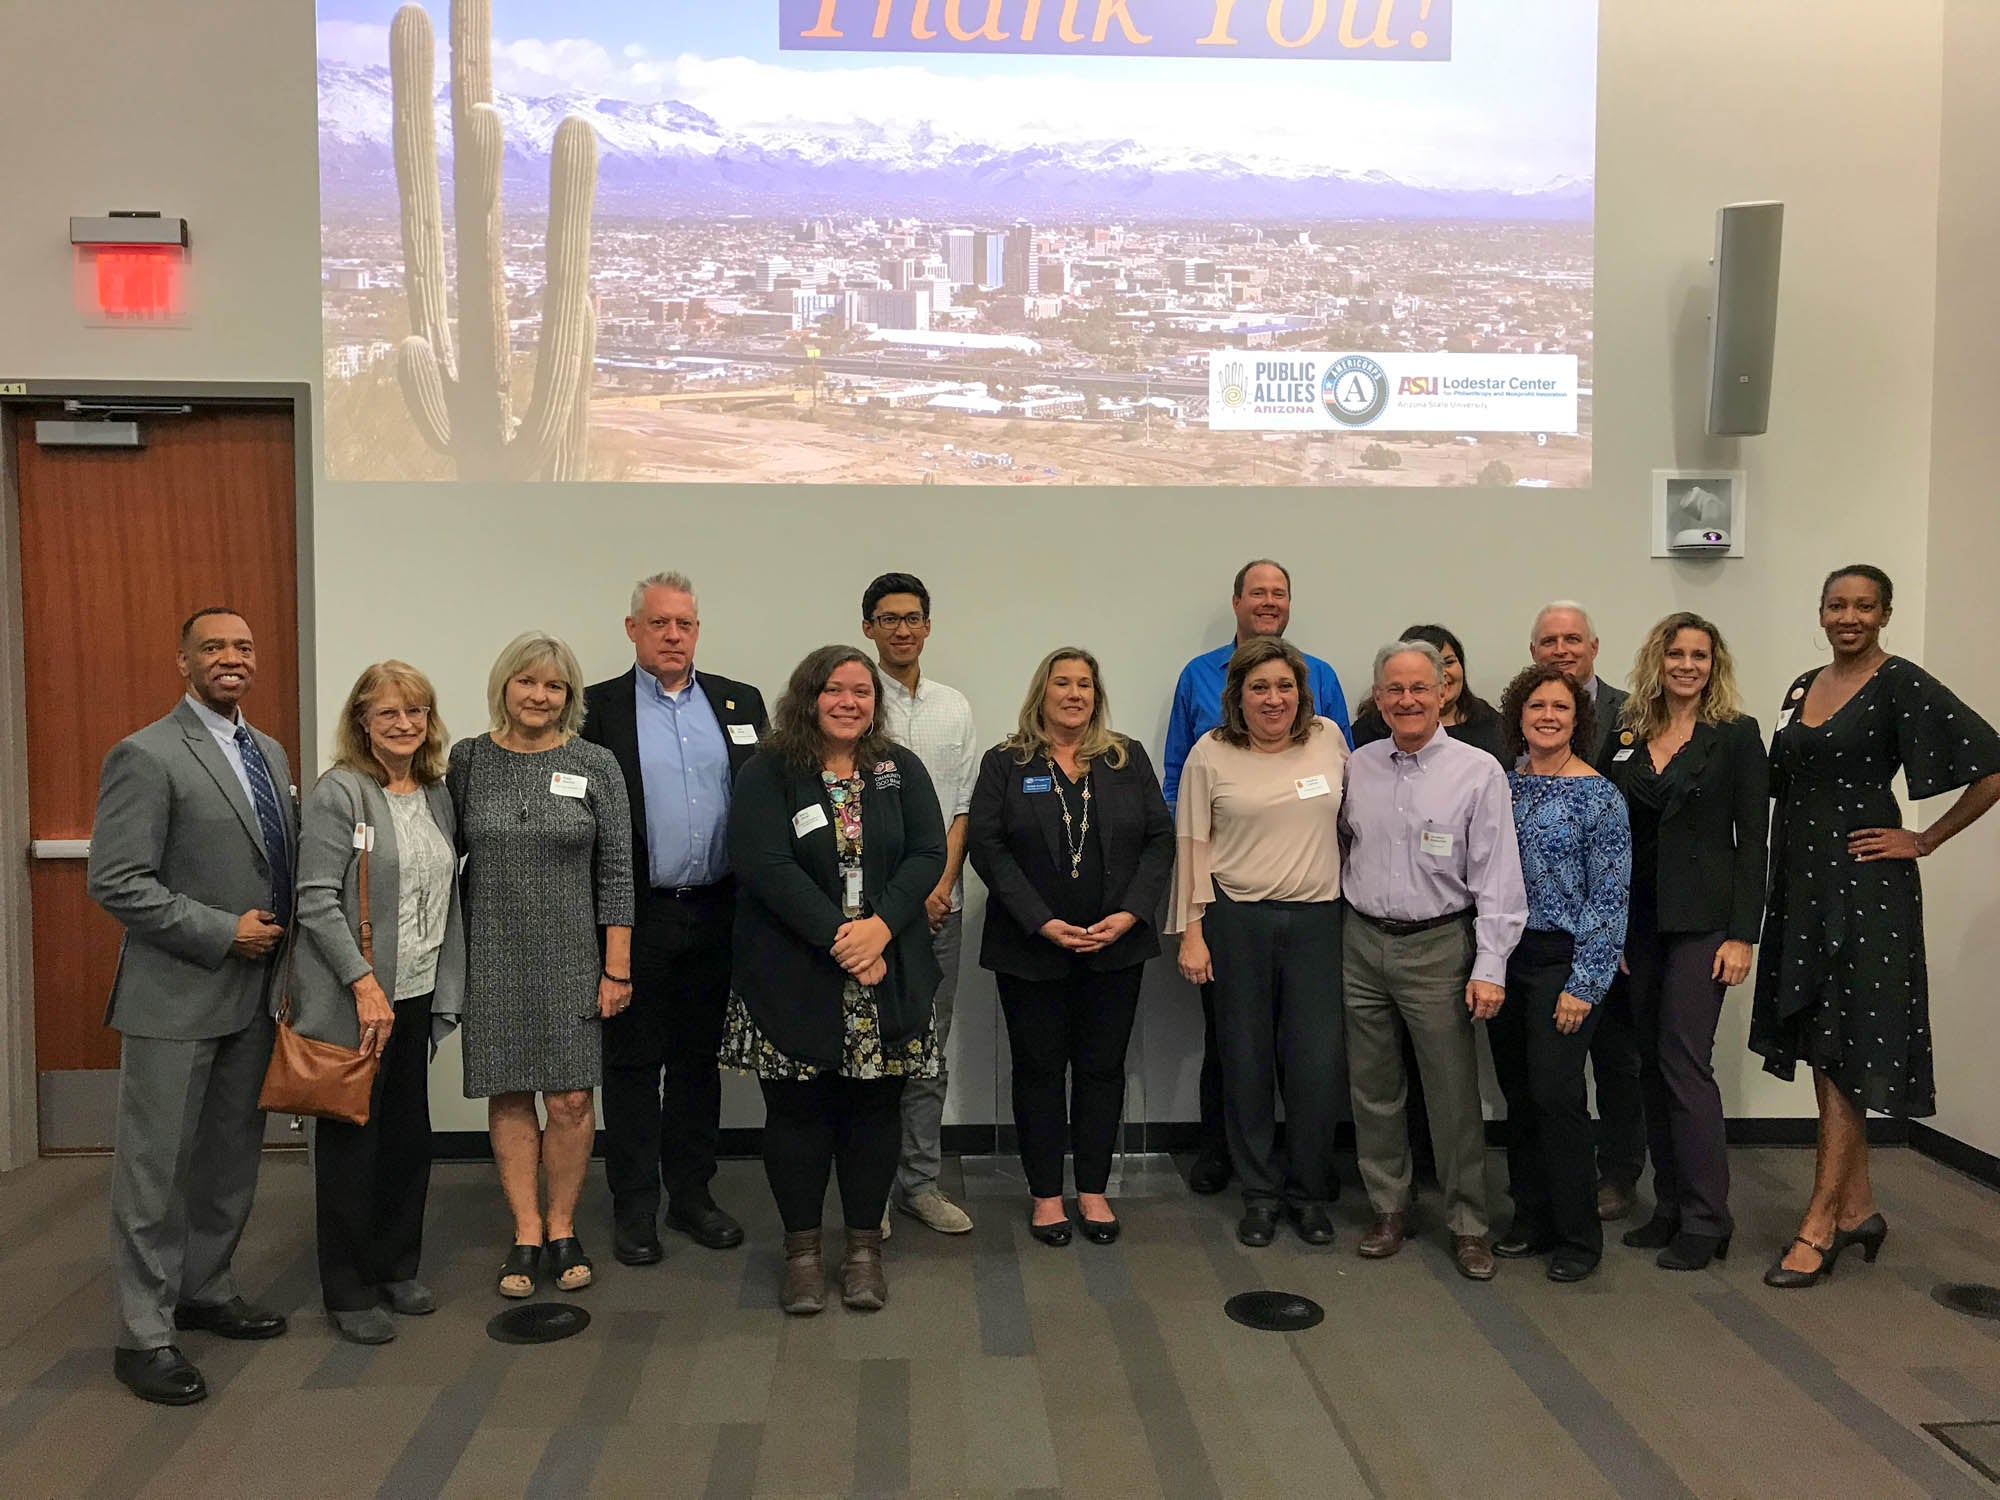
{"points": [[830, 269]]}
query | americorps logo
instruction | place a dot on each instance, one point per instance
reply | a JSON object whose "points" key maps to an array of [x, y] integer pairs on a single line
{"points": [[1355, 390]]}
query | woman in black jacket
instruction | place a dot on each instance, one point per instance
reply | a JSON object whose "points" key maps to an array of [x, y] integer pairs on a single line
{"points": [[1696, 780], [1074, 841], [836, 839]]}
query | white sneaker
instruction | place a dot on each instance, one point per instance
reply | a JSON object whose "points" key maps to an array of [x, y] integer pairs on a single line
{"points": [[937, 1211]]}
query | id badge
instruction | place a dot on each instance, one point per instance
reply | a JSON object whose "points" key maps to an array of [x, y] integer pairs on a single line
{"points": [[742, 734], [850, 885], [563, 784], [807, 818], [1435, 841], [1312, 786]]}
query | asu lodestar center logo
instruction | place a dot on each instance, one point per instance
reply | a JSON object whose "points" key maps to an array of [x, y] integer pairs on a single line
{"points": [[1354, 391]]}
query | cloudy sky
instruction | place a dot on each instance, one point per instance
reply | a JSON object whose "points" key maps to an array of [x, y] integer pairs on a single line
{"points": [[1515, 108]]}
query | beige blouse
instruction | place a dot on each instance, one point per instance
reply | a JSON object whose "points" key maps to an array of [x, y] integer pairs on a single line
{"points": [[1260, 827]]}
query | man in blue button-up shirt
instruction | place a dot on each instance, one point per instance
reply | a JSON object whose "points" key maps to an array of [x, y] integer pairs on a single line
{"points": [[680, 737]]}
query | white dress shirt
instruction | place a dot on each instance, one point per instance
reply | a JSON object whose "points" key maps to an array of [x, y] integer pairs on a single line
{"points": [[936, 722]]}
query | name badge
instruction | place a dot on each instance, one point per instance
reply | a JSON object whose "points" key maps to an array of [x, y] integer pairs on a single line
{"points": [[742, 734], [807, 818], [1032, 784], [1625, 754], [851, 887], [1312, 786], [1435, 842], [562, 784], [364, 836], [1786, 717]]}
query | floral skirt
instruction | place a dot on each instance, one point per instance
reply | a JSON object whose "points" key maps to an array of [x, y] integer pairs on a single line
{"points": [[862, 1054]]}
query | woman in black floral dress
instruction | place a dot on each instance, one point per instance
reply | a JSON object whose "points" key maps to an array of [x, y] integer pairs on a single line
{"points": [[1841, 981]]}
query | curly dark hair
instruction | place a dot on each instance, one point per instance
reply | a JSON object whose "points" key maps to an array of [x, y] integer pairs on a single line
{"points": [[1252, 654], [1582, 734], [795, 733]]}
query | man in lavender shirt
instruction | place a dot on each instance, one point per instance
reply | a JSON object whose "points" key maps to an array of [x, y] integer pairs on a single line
{"points": [[1435, 903]]}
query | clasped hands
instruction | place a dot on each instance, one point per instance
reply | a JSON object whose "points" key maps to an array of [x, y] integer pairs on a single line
{"points": [[1098, 936], [858, 947]]}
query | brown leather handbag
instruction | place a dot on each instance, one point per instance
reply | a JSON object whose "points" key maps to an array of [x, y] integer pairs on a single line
{"points": [[324, 1079]]}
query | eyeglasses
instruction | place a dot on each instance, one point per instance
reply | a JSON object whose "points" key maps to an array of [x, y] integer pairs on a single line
{"points": [[417, 715], [890, 622]]}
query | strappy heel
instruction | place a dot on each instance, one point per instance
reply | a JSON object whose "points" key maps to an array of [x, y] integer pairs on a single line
{"points": [[1868, 1234]]}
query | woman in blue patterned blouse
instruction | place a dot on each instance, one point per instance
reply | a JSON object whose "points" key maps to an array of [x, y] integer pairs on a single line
{"points": [[1576, 856]]}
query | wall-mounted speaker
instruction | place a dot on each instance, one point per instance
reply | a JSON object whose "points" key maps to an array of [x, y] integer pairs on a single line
{"points": [[1743, 323]]}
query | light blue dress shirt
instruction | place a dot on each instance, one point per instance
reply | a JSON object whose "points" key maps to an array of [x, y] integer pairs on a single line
{"points": [[684, 769]]}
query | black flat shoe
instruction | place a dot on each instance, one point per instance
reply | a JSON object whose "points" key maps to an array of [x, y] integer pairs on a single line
{"points": [[1655, 1234], [1099, 1231], [1522, 1244], [1314, 1224], [234, 1319], [1786, 1280], [566, 1261], [1568, 1267], [159, 1375], [1693, 1252], [701, 1221], [1211, 1171], [1056, 1234], [1257, 1228], [636, 1244], [525, 1262]]}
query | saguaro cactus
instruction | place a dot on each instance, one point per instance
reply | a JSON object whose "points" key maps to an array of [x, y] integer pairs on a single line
{"points": [[461, 402]]}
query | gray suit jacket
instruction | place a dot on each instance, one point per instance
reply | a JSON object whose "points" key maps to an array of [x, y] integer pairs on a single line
{"points": [[327, 959], [176, 857]]}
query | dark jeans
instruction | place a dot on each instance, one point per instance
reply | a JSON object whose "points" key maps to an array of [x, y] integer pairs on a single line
{"points": [[1279, 1022], [814, 1126], [371, 1180], [1676, 1003], [662, 1087], [1549, 1169], [1614, 1068], [1077, 1026]]}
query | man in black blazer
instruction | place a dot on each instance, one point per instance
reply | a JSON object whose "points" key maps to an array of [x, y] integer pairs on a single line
{"points": [[1563, 636], [680, 737]]}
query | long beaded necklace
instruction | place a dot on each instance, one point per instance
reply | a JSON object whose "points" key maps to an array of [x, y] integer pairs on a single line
{"points": [[1075, 848]]}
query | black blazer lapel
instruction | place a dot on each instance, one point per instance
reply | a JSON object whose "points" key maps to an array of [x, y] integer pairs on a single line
{"points": [[1103, 780], [1047, 810], [733, 704], [618, 724]]}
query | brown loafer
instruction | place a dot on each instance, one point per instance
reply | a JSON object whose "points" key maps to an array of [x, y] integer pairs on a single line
{"points": [[1474, 1256], [1614, 1201], [862, 1285], [804, 1289], [1382, 1241]]}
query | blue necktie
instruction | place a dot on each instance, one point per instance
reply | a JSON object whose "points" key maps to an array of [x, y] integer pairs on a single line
{"points": [[264, 797]]}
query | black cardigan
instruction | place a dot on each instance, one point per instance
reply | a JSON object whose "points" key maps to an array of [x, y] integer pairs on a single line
{"points": [[788, 900], [1714, 832], [1014, 840]]}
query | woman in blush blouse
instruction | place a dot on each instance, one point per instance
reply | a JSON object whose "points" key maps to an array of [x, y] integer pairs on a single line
{"points": [[1576, 858]]}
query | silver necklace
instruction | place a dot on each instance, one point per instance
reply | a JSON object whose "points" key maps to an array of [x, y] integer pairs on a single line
{"points": [[1083, 833]]}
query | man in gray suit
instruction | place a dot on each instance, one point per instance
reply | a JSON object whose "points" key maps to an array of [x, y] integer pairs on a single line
{"points": [[192, 852], [1564, 637]]}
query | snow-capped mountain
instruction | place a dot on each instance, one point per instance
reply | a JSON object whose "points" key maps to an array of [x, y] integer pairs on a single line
{"points": [[671, 158]]}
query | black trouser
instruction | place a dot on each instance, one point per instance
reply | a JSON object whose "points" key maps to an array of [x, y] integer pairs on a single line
{"points": [[814, 1126], [662, 1085], [1278, 1019], [1614, 1068], [1077, 1026], [371, 1180], [1550, 1173], [1212, 1136], [1676, 1004]]}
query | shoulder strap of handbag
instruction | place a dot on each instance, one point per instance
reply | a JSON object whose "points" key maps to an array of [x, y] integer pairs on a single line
{"points": [[367, 927]]}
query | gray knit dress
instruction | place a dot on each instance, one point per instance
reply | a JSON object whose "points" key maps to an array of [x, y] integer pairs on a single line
{"points": [[543, 873]]}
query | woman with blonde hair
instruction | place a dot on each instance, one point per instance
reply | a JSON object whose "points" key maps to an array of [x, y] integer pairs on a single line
{"points": [[1692, 768], [385, 797], [547, 834], [1074, 841]]}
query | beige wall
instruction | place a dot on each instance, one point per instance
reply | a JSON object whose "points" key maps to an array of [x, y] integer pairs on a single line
{"points": [[1702, 103]]}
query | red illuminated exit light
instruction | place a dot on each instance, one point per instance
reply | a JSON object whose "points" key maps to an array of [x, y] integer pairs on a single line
{"points": [[132, 283]]}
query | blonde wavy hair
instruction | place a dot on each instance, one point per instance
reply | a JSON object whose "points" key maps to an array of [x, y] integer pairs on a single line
{"points": [[1031, 736], [351, 748], [1645, 712], [530, 649]]}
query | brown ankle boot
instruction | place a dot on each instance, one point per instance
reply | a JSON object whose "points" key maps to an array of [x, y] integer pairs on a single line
{"points": [[861, 1282], [804, 1290]]}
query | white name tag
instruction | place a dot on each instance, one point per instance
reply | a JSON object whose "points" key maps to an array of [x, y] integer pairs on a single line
{"points": [[364, 836], [806, 819], [1312, 786], [1435, 842], [1786, 717], [742, 734], [851, 885], [562, 784], [1625, 754]]}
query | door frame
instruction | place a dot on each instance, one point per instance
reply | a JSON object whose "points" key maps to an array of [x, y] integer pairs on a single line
{"points": [[20, 1129]]}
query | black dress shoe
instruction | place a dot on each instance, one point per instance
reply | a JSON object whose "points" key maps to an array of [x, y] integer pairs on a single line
{"points": [[1314, 1224], [636, 1244], [1258, 1226], [234, 1319], [1056, 1234], [159, 1375], [1211, 1170], [1099, 1231], [1567, 1265], [1655, 1234], [1523, 1244], [701, 1221]]}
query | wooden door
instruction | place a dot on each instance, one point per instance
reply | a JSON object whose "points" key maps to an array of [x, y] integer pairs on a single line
{"points": [[118, 546]]}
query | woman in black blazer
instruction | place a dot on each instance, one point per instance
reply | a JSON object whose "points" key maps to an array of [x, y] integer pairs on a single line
{"points": [[1074, 841], [1695, 777], [836, 839]]}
